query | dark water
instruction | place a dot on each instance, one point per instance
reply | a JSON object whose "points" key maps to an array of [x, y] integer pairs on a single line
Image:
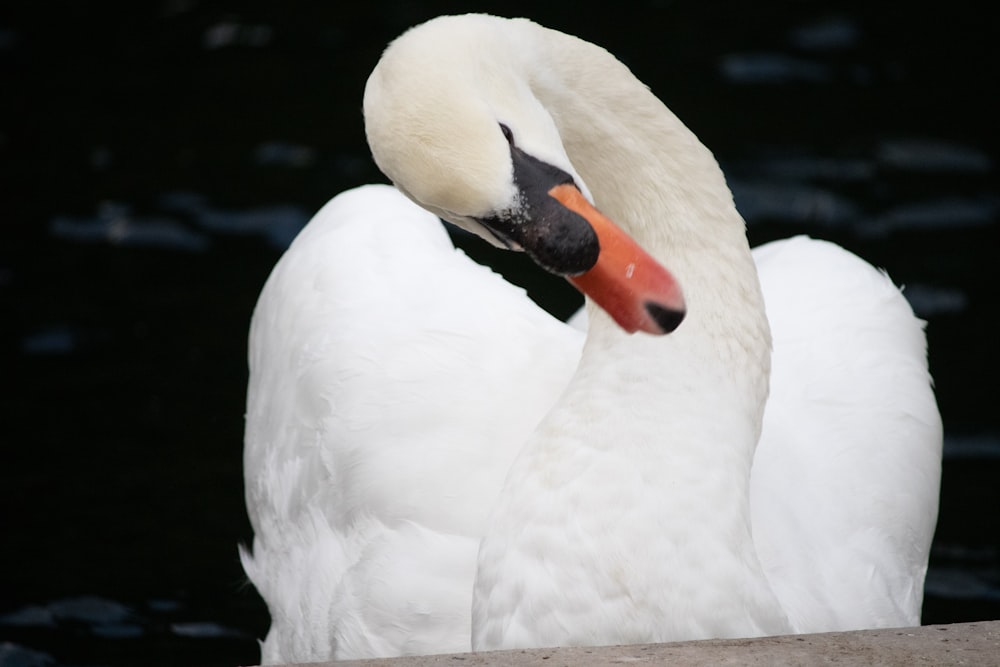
{"points": [[156, 158]]}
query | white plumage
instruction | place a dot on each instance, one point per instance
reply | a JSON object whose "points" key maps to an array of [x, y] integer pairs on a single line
{"points": [[382, 416], [434, 464]]}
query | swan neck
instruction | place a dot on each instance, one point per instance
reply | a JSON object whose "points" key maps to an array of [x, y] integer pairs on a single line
{"points": [[650, 174], [652, 442]]}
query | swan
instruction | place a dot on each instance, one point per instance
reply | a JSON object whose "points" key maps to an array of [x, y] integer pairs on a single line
{"points": [[433, 464]]}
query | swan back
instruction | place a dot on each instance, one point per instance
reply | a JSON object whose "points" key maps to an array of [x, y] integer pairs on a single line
{"points": [[374, 448], [845, 481]]}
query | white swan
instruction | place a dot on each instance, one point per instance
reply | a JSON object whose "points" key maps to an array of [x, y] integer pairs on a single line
{"points": [[423, 441]]}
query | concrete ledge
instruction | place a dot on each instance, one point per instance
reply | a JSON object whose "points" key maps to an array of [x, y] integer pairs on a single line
{"points": [[959, 644]]}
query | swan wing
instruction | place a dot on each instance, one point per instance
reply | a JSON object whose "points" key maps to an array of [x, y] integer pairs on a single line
{"points": [[844, 488], [392, 381]]}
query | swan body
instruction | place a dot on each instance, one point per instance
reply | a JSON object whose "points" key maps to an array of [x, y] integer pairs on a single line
{"points": [[433, 464]]}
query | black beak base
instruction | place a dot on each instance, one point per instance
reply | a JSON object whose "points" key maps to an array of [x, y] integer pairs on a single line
{"points": [[557, 239]]}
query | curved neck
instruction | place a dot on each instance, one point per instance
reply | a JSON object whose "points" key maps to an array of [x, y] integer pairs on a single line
{"points": [[651, 175], [653, 440]]}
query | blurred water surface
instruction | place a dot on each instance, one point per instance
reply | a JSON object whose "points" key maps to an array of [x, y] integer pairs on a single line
{"points": [[156, 158]]}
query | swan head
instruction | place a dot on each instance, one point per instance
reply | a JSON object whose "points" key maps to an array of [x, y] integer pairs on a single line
{"points": [[452, 119]]}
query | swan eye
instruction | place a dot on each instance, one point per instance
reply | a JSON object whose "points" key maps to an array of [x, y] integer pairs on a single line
{"points": [[508, 135]]}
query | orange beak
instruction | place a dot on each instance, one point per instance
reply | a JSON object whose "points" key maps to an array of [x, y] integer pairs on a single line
{"points": [[626, 281]]}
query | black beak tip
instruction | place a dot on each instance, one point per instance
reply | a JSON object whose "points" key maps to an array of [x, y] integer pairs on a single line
{"points": [[667, 319]]}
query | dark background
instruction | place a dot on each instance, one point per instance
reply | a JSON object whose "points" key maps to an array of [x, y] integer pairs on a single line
{"points": [[156, 157]]}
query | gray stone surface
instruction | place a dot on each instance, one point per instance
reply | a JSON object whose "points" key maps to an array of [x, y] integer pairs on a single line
{"points": [[959, 644]]}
